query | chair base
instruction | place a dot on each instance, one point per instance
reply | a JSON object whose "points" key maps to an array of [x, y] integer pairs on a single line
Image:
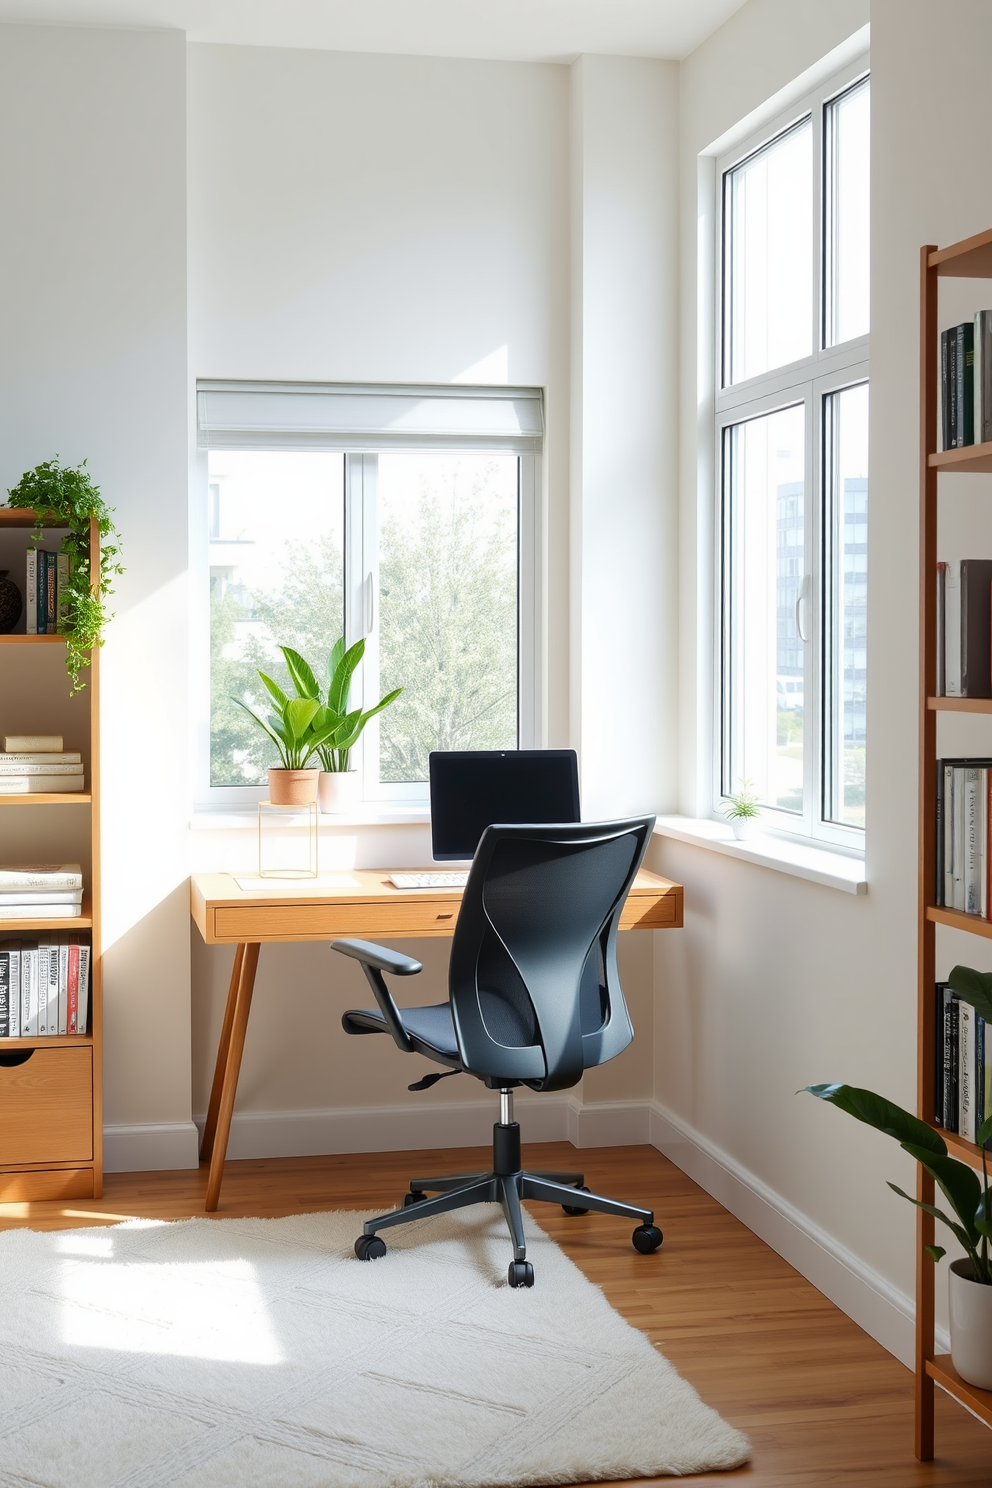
{"points": [[507, 1184]]}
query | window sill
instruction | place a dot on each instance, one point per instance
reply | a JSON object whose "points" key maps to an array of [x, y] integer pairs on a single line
{"points": [[370, 814], [819, 864]]}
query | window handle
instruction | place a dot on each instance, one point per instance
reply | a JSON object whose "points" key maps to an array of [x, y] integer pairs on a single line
{"points": [[369, 604], [801, 598]]}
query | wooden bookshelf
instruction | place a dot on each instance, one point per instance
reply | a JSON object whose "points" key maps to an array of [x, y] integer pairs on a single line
{"points": [[51, 1101], [970, 259]]}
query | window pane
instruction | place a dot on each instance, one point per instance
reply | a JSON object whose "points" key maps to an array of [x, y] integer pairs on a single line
{"points": [[768, 226], [847, 134], [448, 605], [275, 542], [846, 429], [764, 568]]}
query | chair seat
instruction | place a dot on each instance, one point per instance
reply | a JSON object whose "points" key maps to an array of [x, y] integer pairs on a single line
{"points": [[430, 1026]]}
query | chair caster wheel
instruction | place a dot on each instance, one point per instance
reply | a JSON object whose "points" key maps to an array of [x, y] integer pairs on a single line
{"points": [[646, 1238], [369, 1247], [520, 1274], [413, 1198], [574, 1208]]}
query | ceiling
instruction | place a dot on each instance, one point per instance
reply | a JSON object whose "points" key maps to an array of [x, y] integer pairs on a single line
{"points": [[510, 30]]}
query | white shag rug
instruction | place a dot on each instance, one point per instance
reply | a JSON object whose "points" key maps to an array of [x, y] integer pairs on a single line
{"points": [[261, 1354]]}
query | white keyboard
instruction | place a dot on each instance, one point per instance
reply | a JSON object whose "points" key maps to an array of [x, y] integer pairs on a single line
{"points": [[428, 880]]}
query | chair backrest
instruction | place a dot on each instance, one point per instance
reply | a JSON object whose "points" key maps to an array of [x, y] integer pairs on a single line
{"points": [[535, 993]]}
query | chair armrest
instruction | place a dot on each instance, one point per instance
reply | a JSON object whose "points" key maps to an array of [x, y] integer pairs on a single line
{"points": [[380, 956], [374, 960]]}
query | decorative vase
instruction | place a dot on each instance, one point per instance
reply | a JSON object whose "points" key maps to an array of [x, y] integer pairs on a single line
{"points": [[292, 787], [971, 1325], [338, 790], [10, 603], [743, 827]]}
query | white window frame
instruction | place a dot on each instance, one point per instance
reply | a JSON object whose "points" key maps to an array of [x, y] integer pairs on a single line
{"points": [[361, 600], [808, 382]]}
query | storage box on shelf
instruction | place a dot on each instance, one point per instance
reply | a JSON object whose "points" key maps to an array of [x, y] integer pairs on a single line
{"points": [[51, 1108], [970, 259]]}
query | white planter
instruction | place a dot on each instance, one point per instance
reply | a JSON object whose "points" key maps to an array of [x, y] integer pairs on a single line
{"points": [[971, 1325], [337, 790], [743, 827]]}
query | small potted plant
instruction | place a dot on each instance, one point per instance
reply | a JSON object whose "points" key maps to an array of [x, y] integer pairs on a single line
{"points": [[969, 1199], [338, 728], [292, 727], [742, 810]]}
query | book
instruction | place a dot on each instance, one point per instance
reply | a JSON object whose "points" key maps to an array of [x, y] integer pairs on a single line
{"points": [[4, 993], [83, 994], [979, 1070], [72, 988], [41, 911], [26, 785], [66, 757], [941, 680], [946, 383], [48, 988], [952, 628], [13, 948], [966, 1070], [29, 990], [42, 557], [41, 896], [975, 837], [938, 840], [41, 876], [61, 588], [14, 766], [983, 376], [976, 627], [51, 592], [31, 592], [32, 743], [964, 384], [62, 1019]]}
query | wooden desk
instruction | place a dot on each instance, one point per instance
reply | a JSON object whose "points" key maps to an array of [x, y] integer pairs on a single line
{"points": [[357, 903]]}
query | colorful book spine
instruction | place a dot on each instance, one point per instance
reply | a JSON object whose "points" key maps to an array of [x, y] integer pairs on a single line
{"points": [[51, 592], [72, 990], [4, 994]]}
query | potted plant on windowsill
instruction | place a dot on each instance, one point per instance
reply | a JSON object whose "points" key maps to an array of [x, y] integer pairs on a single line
{"points": [[742, 810], [339, 729], [970, 1200], [292, 728]]}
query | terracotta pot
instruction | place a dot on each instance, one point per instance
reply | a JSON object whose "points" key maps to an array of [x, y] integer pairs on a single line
{"points": [[338, 790], [971, 1325], [292, 787]]}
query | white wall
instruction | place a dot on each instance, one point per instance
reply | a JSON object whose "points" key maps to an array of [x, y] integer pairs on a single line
{"points": [[93, 364]]}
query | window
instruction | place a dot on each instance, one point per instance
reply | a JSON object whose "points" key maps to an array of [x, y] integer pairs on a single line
{"points": [[792, 462], [416, 532]]}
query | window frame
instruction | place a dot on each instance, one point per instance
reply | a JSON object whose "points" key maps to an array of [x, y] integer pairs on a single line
{"points": [[808, 381], [361, 600]]}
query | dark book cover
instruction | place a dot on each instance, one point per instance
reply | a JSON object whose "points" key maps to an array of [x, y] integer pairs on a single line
{"points": [[964, 384], [976, 628], [951, 1040], [946, 424], [938, 1054], [42, 590], [51, 592], [938, 887], [4, 994], [979, 1070]]}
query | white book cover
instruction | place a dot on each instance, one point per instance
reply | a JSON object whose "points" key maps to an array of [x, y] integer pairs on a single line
{"points": [[952, 628], [14, 947], [25, 785], [63, 1017], [31, 592], [958, 861], [83, 992], [11, 765], [67, 757], [28, 743], [29, 992], [966, 1070], [40, 911], [27, 897], [48, 988], [41, 876], [974, 845]]}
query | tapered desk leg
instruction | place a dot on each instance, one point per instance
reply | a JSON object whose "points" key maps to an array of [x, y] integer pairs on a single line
{"points": [[232, 1068], [210, 1126]]}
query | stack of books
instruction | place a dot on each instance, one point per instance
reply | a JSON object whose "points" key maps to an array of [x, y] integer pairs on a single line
{"points": [[966, 382], [44, 986], [33, 763], [963, 1073], [46, 580], [41, 891]]}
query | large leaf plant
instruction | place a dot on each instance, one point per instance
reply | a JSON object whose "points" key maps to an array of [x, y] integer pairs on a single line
{"points": [[969, 1199], [291, 725], [338, 727]]}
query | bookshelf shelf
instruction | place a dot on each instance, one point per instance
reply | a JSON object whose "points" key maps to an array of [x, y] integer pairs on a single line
{"points": [[971, 258], [959, 705], [51, 1104]]}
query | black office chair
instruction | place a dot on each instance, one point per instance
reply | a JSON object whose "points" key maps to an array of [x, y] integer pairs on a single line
{"points": [[535, 1000]]}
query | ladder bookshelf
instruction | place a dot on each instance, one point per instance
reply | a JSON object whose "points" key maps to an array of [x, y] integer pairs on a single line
{"points": [[969, 259], [51, 1107]]}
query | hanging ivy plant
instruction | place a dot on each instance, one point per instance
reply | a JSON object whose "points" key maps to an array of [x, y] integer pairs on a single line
{"points": [[65, 496]]}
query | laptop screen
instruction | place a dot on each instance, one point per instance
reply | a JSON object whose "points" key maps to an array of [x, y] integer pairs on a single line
{"points": [[473, 789]]}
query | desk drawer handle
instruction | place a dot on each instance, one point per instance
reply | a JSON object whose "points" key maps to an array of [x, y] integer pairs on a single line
{"points": [[449, 916], [14, 1058]]}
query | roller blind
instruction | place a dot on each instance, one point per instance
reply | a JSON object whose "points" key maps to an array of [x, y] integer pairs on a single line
{"points": [[341, 416]]}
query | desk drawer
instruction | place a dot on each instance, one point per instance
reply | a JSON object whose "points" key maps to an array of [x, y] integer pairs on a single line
{"points": [[46, 1107], [651, 912], [377, 920]]}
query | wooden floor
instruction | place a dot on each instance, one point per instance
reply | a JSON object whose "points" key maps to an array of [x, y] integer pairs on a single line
{"points": [[821, 1402]]}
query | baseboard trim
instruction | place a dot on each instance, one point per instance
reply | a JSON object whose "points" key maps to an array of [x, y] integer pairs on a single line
{"points": [[867, 1297], [150, 1147]]}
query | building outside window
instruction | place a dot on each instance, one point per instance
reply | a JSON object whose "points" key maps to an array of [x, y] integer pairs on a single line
{"points": [[425, 551], [792, 462]]}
